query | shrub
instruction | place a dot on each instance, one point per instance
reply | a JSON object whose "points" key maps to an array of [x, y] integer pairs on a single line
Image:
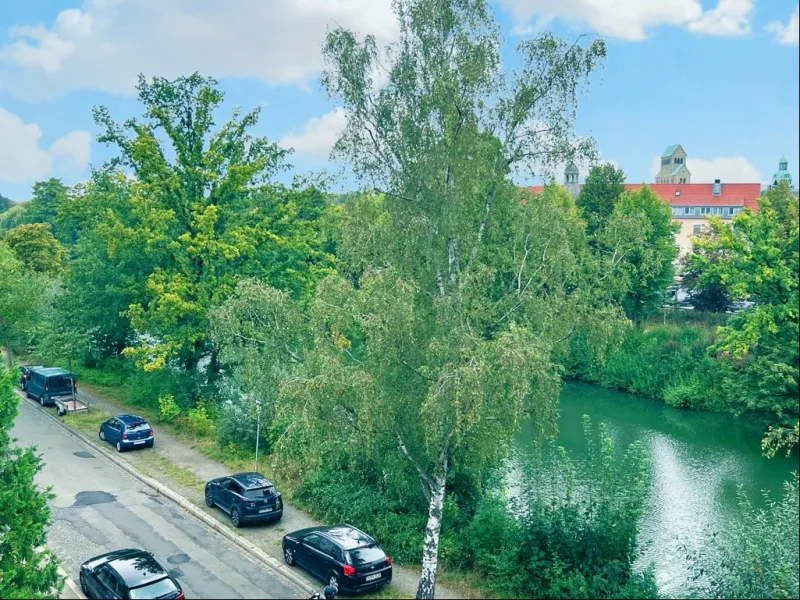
{"points": [[168, 410], [573, 537], [199, 421]]}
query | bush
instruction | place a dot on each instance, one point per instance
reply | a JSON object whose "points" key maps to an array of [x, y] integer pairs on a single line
{"points": [[756, 555], [199, 420], [168, 410], [570, 538]]}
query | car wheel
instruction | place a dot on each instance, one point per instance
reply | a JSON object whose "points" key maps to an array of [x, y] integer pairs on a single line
{"points": [[333, 581], [288, 556], [236, 518], [102, 435], [209, 498], [83, 586], [150, 445], [119, 446]]}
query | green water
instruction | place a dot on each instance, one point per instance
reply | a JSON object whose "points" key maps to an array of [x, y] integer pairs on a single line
{"points": [[697, 461]]}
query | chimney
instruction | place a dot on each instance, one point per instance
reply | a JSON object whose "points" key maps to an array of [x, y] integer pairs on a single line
{"points": [[717, 187]]}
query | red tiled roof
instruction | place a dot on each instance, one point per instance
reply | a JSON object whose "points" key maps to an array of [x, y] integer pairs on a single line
{"points": [[701, 194]]}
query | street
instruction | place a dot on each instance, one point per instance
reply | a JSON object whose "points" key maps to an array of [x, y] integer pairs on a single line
{"points": [[99, 507]]}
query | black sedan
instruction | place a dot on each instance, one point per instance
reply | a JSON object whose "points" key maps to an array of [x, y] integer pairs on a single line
{"points": [[128, 573], [343, 556], [246, 497]]}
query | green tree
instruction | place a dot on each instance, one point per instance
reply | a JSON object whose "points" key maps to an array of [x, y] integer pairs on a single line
{"points": [[599, 194], [5, 203], [43, 206], [37, 249], [638, 250], [26, 570], [204, 218], [17, 296], [761, 264], [440, 340]]}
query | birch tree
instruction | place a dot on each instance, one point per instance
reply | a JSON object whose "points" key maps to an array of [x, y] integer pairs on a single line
{"points": [[454, 287]]}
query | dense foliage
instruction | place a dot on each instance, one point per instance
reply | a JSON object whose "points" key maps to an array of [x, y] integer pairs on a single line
{"points": [[756, 554], [27, 570]]}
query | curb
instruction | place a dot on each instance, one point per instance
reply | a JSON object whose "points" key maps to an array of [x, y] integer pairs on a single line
{"points": [[188, 506], [71, 584]]}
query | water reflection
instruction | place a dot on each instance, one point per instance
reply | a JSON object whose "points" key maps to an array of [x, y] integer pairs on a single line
{"points": [[697, 462]]}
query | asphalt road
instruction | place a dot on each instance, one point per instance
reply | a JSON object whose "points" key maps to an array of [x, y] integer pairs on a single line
{"points": [[99, 507]]}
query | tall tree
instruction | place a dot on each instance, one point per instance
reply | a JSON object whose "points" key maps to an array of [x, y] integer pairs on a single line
{"points": [[18, 296], [761, 264], [638, 246], [603, 187], [26, 570], [440, 339], [203, 218], [43, 205], [5, 203], [37, 249]]}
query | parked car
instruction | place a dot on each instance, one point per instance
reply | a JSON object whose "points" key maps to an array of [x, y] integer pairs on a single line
{"points": [[25, 375], [246, 497], [44, 384], [126, 432], [129, 573], [343, 556]]}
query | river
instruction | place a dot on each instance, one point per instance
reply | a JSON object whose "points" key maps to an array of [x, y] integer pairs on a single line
{"points": [[697, 461]]}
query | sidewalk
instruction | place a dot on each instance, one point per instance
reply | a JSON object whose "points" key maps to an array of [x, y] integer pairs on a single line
{"points": [[186, 470]]}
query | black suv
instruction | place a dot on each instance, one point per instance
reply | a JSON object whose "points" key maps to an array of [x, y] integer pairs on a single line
{"points": [[246, 497], [128, 573], [347, 558]]}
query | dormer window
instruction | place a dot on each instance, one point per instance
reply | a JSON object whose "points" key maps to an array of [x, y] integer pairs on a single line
{"points": [[677, 192]]}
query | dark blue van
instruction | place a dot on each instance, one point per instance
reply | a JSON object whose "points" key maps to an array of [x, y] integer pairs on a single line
{"points": [[45, 384]]}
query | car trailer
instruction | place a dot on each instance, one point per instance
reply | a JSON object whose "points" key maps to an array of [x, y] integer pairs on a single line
{"points": [[70, 403]]}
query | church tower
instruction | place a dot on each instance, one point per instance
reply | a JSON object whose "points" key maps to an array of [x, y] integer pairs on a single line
{"points": [[571, 179], [673, 166], [782, 174]]}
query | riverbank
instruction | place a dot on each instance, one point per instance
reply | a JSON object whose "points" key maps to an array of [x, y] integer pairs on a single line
{"points": [[675, 364]]}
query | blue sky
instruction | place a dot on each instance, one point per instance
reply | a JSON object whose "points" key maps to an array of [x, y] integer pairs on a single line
{"points": [[719, 77]]}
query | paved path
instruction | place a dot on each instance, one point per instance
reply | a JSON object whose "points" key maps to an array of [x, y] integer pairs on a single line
{"points": [[99, 507], [170, 450]]}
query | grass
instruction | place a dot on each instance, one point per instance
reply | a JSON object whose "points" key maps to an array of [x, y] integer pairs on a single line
{"points": [[181, 475], [87, 422]]}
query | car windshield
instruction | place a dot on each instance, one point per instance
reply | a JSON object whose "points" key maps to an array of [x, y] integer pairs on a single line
{"points": [[259, 492], [157, 589], [365, 555], [138, 426]]}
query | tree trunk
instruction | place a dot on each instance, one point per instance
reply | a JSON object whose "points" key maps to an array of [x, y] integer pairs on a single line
{"points": [[9, 358], [430, 548]]}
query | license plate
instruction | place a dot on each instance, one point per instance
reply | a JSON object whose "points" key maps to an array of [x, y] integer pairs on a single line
{"points": [[265, 510], [373, 577], [139, 441]]}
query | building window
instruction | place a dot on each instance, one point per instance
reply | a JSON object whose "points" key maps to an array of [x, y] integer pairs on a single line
{"points": [[687, 210], [696, 229], [697, 211], [715, 210], [724, 211]]}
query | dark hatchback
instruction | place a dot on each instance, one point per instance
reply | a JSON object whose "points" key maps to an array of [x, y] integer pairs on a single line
{"points": [[131, 574], [343, 556], [25, 375], [127, 431], [246, 497]]}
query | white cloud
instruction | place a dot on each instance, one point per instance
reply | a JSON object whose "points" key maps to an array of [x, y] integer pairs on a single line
{"points": [[632, 19], [788, 34], [318, 136], [22, 159], [106, 43], [728, 169]]}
